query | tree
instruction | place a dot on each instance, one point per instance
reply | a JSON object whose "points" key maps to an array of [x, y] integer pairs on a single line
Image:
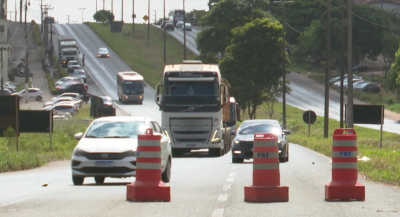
{"points": [[252, 63], [390, 43], [103, 16], [221, 19], [392, 82]]}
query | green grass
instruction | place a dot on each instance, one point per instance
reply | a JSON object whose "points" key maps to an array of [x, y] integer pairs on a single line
{"points": [[384, 165], [34, 148], [148, 61]]}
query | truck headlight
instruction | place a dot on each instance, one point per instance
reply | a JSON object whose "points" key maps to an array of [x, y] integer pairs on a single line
{"points": [[236, 142], [215, 137], [166, 133]]}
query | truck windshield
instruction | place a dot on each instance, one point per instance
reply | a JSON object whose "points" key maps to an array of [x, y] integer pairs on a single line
{"points": [[66, 53], [191, 96], [133, 87]]}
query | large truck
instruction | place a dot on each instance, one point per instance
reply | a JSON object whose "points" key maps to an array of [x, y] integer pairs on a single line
{"points": [[194, 101], [67, 49]]}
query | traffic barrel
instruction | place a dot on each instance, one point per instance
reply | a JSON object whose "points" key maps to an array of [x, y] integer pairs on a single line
{"points": [[148, 185], [344, 185], [266, 177]]}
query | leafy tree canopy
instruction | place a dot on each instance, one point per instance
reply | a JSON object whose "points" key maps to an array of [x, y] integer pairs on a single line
{"points": [[221, 19], [103, 16], [392, 82], [253, 62]]}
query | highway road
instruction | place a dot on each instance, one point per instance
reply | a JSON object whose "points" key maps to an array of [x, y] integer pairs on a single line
{"points": [[200, 185]]}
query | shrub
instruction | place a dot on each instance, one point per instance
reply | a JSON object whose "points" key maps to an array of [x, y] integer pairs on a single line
{"points": [[51, 84], [36, 33]]}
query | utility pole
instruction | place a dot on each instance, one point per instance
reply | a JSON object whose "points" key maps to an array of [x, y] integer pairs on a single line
{"points": [[148, 25], [165, 51], [133, 17], [112, 6], [104, 5], [26, 10], [96, 5], [20, 12], [51, 50], [328, 58], [41, 16], [122, 12], [68, 19], [82, 12], [184, 31], [341, 64], [349, 67], [155, 16], [11, 15], [26, 76]]}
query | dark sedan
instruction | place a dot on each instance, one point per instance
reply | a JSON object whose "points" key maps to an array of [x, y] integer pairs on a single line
{"points": [[242, 145], [370, 87]]}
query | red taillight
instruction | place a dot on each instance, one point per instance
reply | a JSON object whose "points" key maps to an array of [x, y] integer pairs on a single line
{"points": [[98, 55], [108, 55]]}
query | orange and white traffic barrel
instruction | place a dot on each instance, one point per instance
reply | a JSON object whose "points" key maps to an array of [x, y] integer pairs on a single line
{"points": [[148, 185], [266, 176], [344, 185]]}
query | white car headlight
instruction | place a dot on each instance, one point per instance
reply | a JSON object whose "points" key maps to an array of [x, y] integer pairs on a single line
{"points": [[78, 152], [236, 141]]}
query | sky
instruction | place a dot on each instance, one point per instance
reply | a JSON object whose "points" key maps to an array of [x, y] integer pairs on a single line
{"points": [[63, 8]]}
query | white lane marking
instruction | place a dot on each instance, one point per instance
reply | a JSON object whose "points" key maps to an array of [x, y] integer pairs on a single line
{"points": [[17, 201], [223, 197], [226, 187], [232, 174], [229, 179], [234, 168], [218, 212]]}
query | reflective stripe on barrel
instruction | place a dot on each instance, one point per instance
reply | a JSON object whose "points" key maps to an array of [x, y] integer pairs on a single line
{"points": [[265, 160]]}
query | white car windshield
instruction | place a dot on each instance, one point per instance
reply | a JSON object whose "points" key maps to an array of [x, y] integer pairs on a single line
{"points": [[105, 129], [103, 50]]}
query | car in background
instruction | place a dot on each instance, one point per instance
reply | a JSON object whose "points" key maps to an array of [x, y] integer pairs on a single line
{"points": [[74, 95], [66, 79], [80, 73], [187, 27], [103, 52], [108, 148], [163, 24], [62, 116], [337, 78], [242, 145], [169, 26], [63, 107], [72, 68], [33, 93], [336, 85], [73, 87], [369, 87], [63, 99], [107, 101], [179, 24]]}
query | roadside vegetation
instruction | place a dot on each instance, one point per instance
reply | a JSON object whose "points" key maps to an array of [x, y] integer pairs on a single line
{"points": [[34, 148], [133, 50], [36, 33]]}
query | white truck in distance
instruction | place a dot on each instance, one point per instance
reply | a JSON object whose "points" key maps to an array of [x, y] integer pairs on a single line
{"points": [[67, 49], [191, 97]]}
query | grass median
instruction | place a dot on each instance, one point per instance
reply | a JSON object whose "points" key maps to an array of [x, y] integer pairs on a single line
{"points": [[133, 50], [34, 148]]}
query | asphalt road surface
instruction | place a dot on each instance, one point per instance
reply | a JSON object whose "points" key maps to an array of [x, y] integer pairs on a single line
{"points": [[200, 185]]}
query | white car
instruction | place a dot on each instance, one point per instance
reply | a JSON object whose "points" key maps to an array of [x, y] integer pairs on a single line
{"points": [[33, 93], [73, 95], [108, 148], [63, 99], [187, 27], [66, 79], [103, 52], [69, 107]]}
